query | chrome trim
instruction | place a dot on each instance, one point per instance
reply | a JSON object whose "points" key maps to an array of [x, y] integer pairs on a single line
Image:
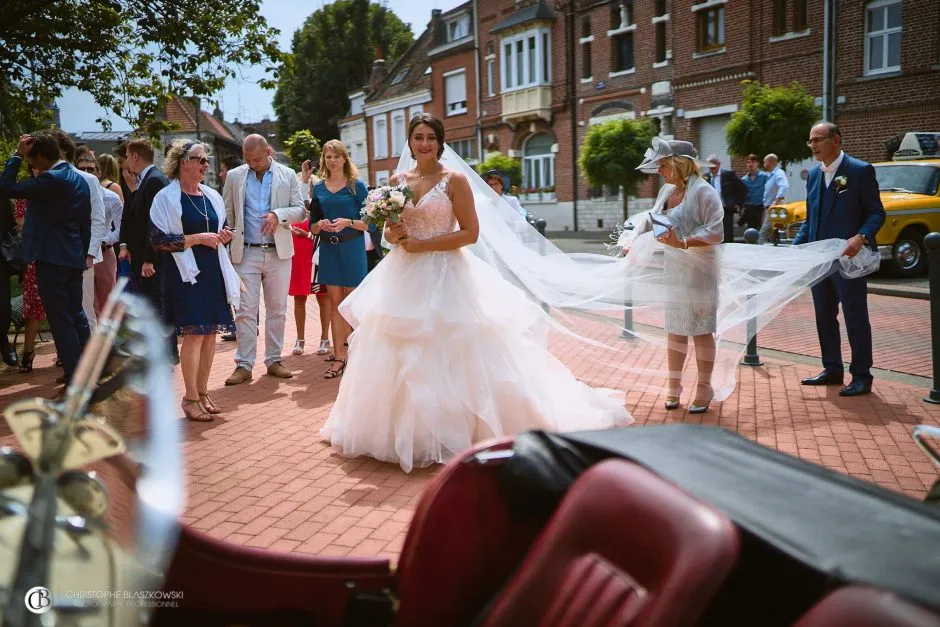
{"points": [[912, 212]]}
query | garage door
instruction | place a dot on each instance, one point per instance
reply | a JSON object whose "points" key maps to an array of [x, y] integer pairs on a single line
{"points": [[712, 139]]}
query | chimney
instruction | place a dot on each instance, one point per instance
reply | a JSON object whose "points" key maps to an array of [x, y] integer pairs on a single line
{"points": [[438, 36], [379, 72], [217, 114]]}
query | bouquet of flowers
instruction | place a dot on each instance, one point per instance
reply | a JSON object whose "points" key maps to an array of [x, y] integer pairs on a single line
{"points": [[386, 203]]}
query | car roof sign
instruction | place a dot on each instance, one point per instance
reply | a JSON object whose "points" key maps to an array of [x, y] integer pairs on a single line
{"points": [[918, 146]]}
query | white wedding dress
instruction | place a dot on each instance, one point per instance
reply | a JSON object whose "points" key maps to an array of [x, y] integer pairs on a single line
{"points": [[445, 352]]}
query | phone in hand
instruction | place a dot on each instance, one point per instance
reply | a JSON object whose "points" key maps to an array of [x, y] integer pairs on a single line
{"points": [[661, 225]]}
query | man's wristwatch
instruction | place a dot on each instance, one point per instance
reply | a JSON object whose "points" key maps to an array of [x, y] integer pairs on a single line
{"points": [[865, 239]]}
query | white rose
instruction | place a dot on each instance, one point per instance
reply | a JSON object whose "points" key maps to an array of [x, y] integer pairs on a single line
{"points": [[397, 197]]}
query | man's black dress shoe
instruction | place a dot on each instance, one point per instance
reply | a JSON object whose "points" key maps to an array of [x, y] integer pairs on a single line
{"points": [[856, 388], [824, 378], [9, 357]]}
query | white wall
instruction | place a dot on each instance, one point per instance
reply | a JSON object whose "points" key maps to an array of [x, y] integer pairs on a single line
{"points": [[352, 134]]}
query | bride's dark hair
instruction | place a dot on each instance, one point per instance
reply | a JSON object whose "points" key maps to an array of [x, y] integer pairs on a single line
{"points": [[436, 125]]}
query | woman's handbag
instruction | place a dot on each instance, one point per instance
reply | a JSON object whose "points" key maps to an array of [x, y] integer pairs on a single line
{"points": [[11, 249]]}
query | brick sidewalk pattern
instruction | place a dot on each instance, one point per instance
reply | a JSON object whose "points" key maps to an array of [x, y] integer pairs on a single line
{"points": [[260, 476]]}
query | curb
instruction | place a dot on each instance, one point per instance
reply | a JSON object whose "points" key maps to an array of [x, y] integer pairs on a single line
{"points": [[899, 292]]}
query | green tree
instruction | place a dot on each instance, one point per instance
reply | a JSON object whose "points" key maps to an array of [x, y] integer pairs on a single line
{"points": [[507, 165], [331, 55], [773, 119], [130, 55], [302, 146], [611, 152]]}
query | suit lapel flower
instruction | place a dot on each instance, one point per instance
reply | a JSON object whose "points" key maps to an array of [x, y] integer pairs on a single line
{"points": [[841, 183]]}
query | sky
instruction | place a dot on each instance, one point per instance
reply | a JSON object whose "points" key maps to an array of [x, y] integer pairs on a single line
{"points": [[242, 99]]}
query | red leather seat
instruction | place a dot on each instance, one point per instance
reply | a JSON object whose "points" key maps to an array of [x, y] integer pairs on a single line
{"points": [[462, 544], [228, 584], [859, 606], [625, 547]]}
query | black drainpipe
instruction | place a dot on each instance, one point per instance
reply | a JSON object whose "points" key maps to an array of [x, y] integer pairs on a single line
{"points": [[573, 105]]}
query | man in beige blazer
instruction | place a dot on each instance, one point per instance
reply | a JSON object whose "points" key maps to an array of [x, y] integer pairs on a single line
{"points": [[262, 199]]}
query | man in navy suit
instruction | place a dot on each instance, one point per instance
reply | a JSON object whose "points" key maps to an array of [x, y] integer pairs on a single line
{"points": [[842, 201], [56, 235], [732, 189]]}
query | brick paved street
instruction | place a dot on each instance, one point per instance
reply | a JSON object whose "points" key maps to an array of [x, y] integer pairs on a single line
{"points": [[260, 476]]}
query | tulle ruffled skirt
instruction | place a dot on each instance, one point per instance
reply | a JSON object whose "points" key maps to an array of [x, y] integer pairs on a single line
{"points": [[446, 353]]}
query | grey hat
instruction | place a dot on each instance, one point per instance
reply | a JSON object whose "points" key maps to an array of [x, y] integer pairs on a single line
{"points": [[672, 148]]}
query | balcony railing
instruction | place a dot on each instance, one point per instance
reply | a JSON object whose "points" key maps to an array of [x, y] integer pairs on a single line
{"points": [[528, 103]]}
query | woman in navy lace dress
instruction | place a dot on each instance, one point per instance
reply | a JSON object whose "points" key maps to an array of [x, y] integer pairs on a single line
{"points": [[198, 281]]}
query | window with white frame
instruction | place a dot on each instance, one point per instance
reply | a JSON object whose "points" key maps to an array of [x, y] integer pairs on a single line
{"points": [[538, 164], [455, 91], [883, 36], [380, 139], [413, 111], [622, 29], [466, 148], [458, 28], [526, 59], [398, 132], [491, 76], [381, 177], [359, 153]]}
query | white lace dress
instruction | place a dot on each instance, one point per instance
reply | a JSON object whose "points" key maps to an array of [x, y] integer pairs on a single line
{"points": [[692, 276], [446, 353]]}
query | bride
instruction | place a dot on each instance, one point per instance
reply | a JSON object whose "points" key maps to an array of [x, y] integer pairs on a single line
{"points": [[445, 351]]}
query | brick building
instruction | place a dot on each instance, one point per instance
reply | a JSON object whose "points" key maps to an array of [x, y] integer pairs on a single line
{"points": [[437, 74], [550, 69]]}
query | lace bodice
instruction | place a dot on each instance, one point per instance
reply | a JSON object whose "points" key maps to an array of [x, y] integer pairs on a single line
{"points": [[433, 215]]}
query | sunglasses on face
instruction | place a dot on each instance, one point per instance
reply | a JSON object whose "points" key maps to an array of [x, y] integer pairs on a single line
{"points": [[201, 160], [89, 169]]}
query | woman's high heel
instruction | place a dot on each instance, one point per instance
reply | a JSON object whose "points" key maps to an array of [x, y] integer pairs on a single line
{"points": [[26, 362], [672, 400], [700, 406]]}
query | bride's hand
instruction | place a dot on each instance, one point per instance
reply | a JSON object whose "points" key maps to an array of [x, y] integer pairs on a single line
{"points": [[412, 245], [398, 233]]}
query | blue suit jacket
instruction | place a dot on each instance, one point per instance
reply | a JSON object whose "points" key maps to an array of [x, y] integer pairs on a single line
{"points": [[842, 213], [57, 228]]}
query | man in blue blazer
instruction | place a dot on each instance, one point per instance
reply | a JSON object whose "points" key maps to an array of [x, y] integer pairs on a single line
{"points": [[842, 201], [56, 235]]}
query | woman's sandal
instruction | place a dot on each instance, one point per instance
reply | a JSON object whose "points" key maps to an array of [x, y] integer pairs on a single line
{"points": [[202, 415], [26, 362], [209, 406], [672, 400], [700, 406], [332, 374]]}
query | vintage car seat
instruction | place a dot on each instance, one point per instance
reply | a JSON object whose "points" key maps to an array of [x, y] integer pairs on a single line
{"points": [[625, 547], [462, 545], [861, 606], [226, 584]]}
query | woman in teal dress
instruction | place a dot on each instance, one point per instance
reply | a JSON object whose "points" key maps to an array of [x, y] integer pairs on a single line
{"points": [[335, 206]]}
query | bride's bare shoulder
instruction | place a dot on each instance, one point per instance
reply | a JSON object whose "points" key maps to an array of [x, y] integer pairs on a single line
{"points": [[400, 178]]}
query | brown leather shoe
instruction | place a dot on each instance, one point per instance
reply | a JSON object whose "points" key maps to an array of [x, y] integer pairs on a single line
{"points": [[279, 371], [239, 376]]}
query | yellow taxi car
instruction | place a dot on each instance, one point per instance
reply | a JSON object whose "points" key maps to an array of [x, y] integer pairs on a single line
{"points": [[910, 193]]}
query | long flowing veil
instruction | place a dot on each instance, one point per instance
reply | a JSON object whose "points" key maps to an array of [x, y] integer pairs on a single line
{"points": [[580, 291]]}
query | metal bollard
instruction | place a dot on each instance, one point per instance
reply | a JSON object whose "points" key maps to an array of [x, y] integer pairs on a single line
{"points": [[626, 332], [540, 225], [932, 244], [751, 358]]}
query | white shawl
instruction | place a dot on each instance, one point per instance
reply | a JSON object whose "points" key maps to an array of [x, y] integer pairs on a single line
{"points": [[166, 214]]}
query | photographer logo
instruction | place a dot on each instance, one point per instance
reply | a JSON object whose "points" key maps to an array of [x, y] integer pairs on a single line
{"points": [[38, 600]]}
